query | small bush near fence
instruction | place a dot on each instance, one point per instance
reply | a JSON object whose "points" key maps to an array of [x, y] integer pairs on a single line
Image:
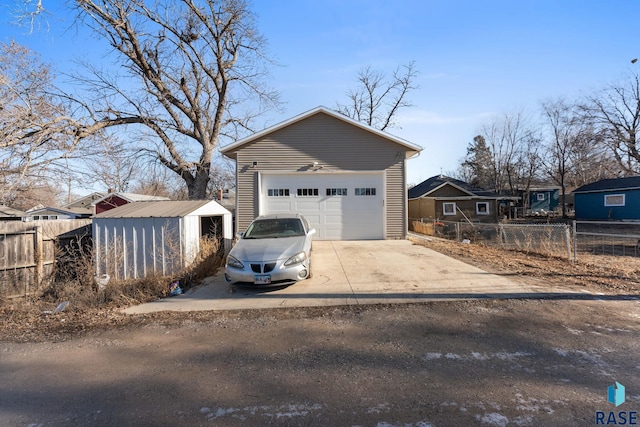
{"points": [[75, 281]]}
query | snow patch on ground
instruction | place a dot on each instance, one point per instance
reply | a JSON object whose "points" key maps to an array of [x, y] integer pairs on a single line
{"points": [[561, 352], [493, 419], [535, 405], [572, 330], [382, 407], [283, 411], [418, 424], [503, 355], [432, 356]]}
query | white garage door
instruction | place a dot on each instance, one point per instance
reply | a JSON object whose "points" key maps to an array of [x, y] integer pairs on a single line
{"points": [[339, 206]]}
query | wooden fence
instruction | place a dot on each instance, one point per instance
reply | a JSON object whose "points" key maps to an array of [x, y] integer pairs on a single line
{"points": [[28, 252]]}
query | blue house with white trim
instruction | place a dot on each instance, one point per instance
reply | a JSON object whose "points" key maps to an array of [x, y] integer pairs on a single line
{"points": [[609, 199], [542, 201]]}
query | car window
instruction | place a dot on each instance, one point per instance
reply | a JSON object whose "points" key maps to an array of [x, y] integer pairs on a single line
{"points": [[274, 228]]}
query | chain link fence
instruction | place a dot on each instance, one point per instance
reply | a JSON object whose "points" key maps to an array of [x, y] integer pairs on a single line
{"points": [[546, 239], [568, 240], [607, 238]]}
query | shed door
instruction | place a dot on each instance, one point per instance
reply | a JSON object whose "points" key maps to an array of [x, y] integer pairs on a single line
{"points": [[339, 206]]}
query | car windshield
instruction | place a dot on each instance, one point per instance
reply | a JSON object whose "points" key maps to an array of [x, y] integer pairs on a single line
{"points": [[274, 228]]}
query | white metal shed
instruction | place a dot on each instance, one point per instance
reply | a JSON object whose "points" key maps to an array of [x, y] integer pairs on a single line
{"points": [[141, 239]]}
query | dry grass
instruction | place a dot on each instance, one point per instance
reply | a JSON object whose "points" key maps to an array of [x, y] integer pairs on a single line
{"points": [[91, 306], [607, 274]]}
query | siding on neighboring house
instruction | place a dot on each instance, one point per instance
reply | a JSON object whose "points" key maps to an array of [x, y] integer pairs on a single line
{"points": [[336, 146], [589, 200], [550, 200], [592, 206], [429, 197], [110, 203]]}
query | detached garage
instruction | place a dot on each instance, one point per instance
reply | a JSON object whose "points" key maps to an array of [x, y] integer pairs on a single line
{"points": [[347, 178], [142, 239]]}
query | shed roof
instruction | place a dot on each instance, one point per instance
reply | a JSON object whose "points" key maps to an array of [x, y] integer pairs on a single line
{"points": [[431, 184], [162, 209], [231, 149], [614, 184], [6, 211], [130, 197]]}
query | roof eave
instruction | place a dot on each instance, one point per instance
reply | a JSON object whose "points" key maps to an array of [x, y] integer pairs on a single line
{"points": [[230, 150]]}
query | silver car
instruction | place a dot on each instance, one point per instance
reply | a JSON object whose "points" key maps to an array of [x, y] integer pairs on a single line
{"points": [[275, 250]]}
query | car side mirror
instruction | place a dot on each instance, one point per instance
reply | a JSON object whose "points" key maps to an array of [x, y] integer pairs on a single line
{"points": [[312, 231], [239, 234]]}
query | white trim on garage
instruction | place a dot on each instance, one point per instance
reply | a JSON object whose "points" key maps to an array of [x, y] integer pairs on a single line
{"points": [[354, 209]]}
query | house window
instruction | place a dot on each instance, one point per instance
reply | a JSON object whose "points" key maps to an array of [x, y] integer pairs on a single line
{"points": [[336, 191], [365, 191], [540, 196], [278, 192], [36, 217], [307, 192], [449, 208], [482, 208], [53, 216], [614, 199]]}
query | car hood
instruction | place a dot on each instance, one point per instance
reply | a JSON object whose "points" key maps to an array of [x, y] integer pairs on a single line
{"points": [[260, 250]]}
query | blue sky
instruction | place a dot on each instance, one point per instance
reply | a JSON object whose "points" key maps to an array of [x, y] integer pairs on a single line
{"points": [[475, 59]]}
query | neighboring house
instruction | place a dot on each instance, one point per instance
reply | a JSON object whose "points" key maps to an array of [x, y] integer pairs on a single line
{"points": [[609, 199], [542, 201], [449, 199], [143, 239], [10, 214], [347, 178], [77, 209], [113, 200], [49, 214], [85, 203]]}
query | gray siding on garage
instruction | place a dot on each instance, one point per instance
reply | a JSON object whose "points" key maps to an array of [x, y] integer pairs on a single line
{"points": [[396, 202], [334, 144]]}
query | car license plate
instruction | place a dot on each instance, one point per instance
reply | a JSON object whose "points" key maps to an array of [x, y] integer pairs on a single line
{"points": [[262, 280]]}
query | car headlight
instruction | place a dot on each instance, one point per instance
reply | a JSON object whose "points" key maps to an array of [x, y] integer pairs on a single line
{"points": [[296, 259], [233, 262]]}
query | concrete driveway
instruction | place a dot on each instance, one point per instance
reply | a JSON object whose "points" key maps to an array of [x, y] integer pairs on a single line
{"points": [[359, 272]]}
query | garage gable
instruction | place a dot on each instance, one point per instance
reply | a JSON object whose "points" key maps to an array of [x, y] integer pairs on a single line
{"points": [[347, 178]]}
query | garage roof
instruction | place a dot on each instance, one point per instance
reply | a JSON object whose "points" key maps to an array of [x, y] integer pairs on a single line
{"points": [[162, 209], [230, 150]]}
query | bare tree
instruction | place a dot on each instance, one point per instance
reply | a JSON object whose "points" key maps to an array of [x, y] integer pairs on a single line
{"points": [[615, 114], [566, 129], [376, 101], [187, 69], [36, 131], [158, 181], [118, 167], [29, 193], [591, 160], [513, 146], [29, 13], [222, 177]]}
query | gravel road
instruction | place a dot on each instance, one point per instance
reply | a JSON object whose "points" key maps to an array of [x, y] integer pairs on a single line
{"points": [[464, 363]]}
